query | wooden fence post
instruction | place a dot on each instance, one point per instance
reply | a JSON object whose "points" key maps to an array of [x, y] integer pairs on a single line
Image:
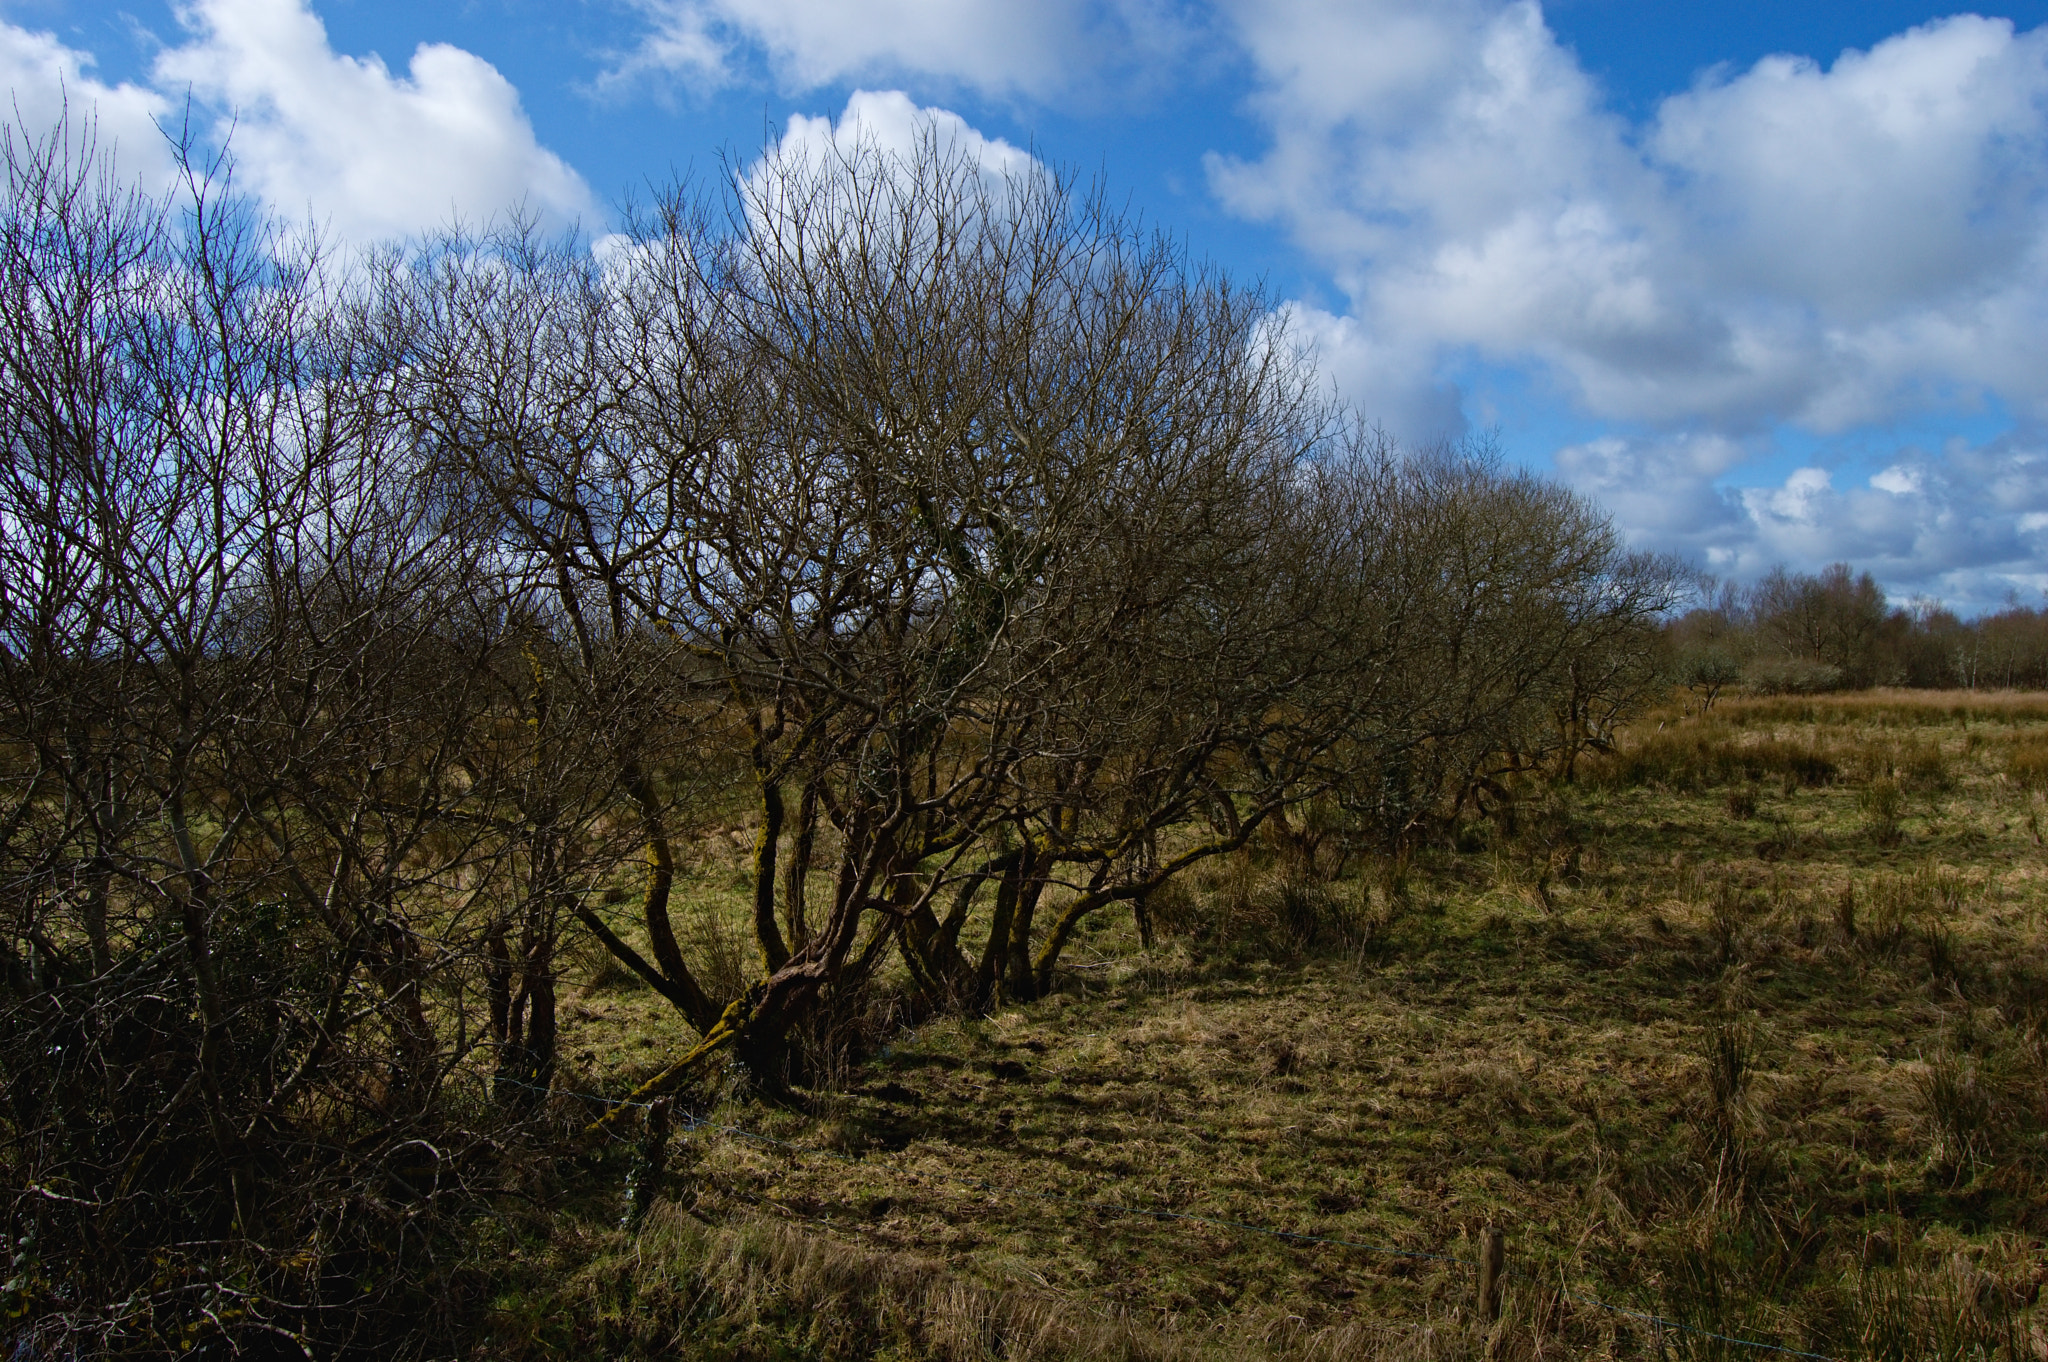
{"points": [[1493, 1252]]}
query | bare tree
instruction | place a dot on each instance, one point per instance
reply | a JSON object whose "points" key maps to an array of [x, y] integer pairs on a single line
{"points": [[239, 642], [992, 439], [365, 633], [1835, 620]]}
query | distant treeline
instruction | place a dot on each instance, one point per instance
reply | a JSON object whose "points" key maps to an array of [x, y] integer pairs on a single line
{"points": [[1795, 633]]}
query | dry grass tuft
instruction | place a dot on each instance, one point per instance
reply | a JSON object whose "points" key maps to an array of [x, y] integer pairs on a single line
{"points": [[681, 1289], [1768, 1073], [2027, 764]]}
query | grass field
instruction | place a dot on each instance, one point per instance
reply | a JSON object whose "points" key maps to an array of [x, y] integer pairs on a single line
{"points": [[1745, 1030]]}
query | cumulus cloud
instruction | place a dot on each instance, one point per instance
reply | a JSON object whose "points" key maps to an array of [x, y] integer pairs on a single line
{"points": [[1787, 243], [890, 122], [1965, 524], [369, 152], [1394, 387], [794, 184], [1004, 47], [1663, 490], [363, 151], [48, 84]]}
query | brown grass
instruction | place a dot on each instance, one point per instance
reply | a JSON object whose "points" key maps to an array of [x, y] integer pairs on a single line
{"points": [[682, 1289], [1761, 1069], [1885, 707]]}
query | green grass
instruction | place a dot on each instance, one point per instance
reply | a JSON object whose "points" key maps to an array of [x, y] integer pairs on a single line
{"points": [[1774, 1066]]}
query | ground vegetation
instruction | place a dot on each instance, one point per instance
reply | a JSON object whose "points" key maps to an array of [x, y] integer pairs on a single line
{"points": [[832, 605], [1739, 1052]]}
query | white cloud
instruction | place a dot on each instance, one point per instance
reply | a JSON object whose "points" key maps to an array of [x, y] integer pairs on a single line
{"points": [[890, 122], [1787, 243], [1391, 386], [1955, 525], [1662, 491], [881, 135], [367, 153], [1795, 506], [1005, 47], [47, 82], [1890, 181], [371, 153]]}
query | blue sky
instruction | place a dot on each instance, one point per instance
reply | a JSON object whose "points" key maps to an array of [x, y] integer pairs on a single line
{"points": [[1770, 281]]}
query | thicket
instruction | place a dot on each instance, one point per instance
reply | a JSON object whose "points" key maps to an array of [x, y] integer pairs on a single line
{"points": [[1805, 634], [374, 631]]}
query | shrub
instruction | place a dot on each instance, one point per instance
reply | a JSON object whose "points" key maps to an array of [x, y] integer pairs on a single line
{"points": [[1926, 900], [1959, 1111], [1915, 764], [1792, 676], [1699, 758], [1884, 805], [1729, 910], [2027, 764], [1173, 908], [1731, 1058], [1742, 801], [1923, 766]]}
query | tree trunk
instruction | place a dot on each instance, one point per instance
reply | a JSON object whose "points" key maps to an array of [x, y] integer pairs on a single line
{"points": [[679, 985], [996, 953], [774, 953], [1020, 982], [795, 874]]}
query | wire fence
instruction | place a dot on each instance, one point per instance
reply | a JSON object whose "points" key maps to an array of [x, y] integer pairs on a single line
{"points": [[683, 1121]]}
